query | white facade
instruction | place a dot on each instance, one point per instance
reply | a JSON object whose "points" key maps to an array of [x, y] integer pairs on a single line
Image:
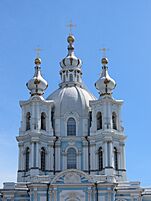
{"points": [[72, 145]]}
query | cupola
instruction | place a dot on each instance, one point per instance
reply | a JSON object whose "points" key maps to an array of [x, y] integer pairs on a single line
{"points": [[105, 84], [71, 66], [37, 85]]}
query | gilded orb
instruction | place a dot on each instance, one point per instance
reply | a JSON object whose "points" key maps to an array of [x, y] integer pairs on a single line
{"points": [[37, 61], [70, 39], [104, 61]]}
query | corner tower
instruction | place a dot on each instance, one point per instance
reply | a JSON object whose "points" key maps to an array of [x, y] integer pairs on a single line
{"points": [[106, 130], [36, 133]]}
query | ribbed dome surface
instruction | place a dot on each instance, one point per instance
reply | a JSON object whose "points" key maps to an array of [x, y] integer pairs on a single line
{"points": [[71, 99]]}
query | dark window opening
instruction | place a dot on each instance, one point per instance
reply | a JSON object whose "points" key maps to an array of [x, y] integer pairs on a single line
{"points": [[100, 158], [115, 158], [28, 117], [27, 159], [71, 158], [71, 126], [43, 121], [114, 121], [43, 159], [99, 120]]}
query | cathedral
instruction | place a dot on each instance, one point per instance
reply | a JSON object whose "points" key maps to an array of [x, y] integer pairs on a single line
{"points": [[71, 145]]}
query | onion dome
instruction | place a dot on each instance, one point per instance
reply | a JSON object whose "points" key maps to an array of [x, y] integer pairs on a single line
{"points": [[37, 85], [105, 83], [70, 66], [70, 60]]}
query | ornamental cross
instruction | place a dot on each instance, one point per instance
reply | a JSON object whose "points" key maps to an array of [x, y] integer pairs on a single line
{"points": [[103, 50], [38, 50], [71, 25]]}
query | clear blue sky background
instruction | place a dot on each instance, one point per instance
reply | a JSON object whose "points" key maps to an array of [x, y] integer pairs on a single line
{"points": [[122, 26]]}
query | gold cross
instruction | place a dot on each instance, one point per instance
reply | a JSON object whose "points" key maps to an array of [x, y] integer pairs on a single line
{"points": [[103, 50], [71, 25], [38, 50]]}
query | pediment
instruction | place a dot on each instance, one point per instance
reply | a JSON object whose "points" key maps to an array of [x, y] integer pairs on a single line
{"points": [[72, 176]]}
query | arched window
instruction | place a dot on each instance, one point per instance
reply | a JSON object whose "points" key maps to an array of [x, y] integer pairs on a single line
{"points": [[115, 158], [114, 120], [99, 120], [43, 159], [28, 117], [70, 77], [71, 158], [100, 158], [77, 78], [43, 121], [71, 126], [27, 159]]}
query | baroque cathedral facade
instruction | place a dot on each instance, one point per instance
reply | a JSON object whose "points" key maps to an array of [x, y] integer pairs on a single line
{"points": [[72, 145]]}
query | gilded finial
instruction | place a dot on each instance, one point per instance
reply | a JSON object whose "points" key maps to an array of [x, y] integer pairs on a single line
{"points": [[70, 39]]}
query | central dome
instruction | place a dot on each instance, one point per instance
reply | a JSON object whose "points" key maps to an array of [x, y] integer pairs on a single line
{"points": [[71, 99]]}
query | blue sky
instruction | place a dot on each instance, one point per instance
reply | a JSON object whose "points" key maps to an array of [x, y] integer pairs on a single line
{"points": [[124, 27]]}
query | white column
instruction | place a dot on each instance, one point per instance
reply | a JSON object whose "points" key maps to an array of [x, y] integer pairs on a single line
{"points": [[23, 161], [37, 154], [37, 116], [93, 123], [108, 115], [105, 154], [35, 194], [110, 154], [78, 161], [85, 156], [32, 155], [65, 161], [50, 195], [23, 120], [119, 158], [49, 160], [55, 194], [58, 161], [123, 157], [32, 121], [49, 123], [51, 156], [92, 155], [20, 157]]}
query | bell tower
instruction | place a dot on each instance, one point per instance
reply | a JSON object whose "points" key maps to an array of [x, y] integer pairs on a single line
{"points": [[107, 129], [36, 133]]}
